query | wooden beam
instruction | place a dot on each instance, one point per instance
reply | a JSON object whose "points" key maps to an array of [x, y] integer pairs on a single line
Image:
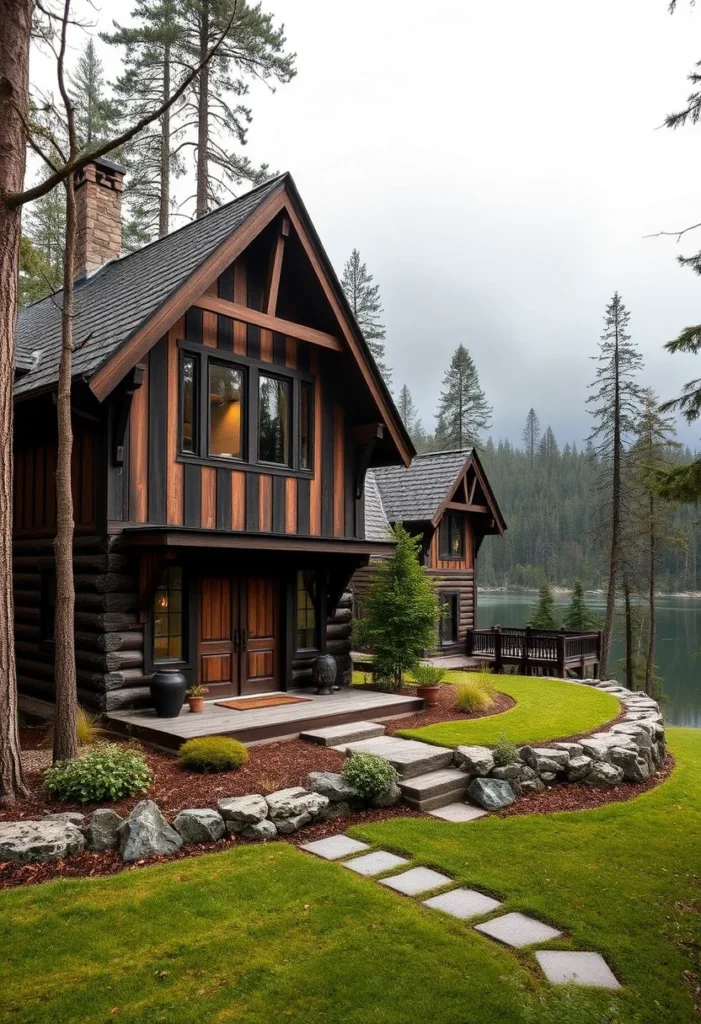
{"points": [[459, 506], [276, 268], [132, 384], [270, 323], [368, 432]]}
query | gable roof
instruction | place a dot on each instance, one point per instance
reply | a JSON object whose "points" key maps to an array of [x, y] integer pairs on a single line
{"points": [[112, 303], [377, 525]]}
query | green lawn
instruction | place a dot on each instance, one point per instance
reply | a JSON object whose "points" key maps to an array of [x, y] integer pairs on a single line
{"points": [[546, 709]]}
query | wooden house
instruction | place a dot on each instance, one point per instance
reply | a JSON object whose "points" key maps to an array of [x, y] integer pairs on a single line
{"points": [[226, 408], [446, 500]]}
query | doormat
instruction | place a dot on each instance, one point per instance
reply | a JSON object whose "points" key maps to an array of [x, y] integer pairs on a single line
{"points": [[249, 703]]}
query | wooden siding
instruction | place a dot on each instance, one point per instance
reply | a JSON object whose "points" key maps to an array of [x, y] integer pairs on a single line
{"points": [[434, 561], [34, 506]]}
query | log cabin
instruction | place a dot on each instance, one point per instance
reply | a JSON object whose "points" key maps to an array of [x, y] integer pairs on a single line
{"points": [[445, 499], [226, 409]]}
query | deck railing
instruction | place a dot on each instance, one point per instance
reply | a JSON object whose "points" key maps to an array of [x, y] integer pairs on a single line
{"points": [[560, 649]]}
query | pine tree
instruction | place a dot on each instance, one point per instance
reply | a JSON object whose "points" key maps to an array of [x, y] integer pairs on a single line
{"points": [[616, 401], [463, 410], [411, 419], [44, 238], [531, 435], [544, 614], [96, 115], [364, 299], [548, 448], [577, 615]]}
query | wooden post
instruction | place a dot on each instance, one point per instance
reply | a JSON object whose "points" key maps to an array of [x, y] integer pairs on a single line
{"points": [[561, 655], [498, 665], [469, 643], [525, 661]]}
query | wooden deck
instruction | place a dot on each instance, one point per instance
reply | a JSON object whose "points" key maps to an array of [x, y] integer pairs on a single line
{"points": [[560, 651], [263, 725]]}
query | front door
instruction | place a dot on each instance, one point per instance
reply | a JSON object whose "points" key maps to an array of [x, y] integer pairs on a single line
{"points": [[239, 635]]}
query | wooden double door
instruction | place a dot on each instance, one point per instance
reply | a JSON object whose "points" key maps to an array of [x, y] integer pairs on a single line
{"points": [[239, 635]]}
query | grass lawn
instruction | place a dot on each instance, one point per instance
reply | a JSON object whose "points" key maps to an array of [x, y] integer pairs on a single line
{"points": [[267, 933], [546, 709]]}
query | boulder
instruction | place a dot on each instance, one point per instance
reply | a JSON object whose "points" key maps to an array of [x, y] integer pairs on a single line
{"points": [[31, 841], [289, 803], [531, 785], [103, 831], [240, 811], [334, 787], [492, 794], [578, 768], [527, 774], [146, 833], [604, 774], [555, 754], [72, 817], [595, 749], [474, 760], [264, 829], [634, 767], [637, 732], [293, 823], [334, 811], [549, 778], [571, 749], [199, 825], [507, 771], [388, 799], [658, 754], [540, 762]]}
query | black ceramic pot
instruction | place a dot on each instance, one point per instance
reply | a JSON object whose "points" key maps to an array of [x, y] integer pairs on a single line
{"points": [[168, 687], [324, 673]]}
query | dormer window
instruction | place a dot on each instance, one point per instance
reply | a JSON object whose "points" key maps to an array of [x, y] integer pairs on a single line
{"points": [[452, 536]]}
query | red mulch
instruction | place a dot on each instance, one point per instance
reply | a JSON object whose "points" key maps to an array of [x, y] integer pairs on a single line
{"points": [[445, 711]]}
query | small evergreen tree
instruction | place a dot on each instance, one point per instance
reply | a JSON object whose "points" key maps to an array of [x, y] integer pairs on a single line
{"points": [[364, 299], [401, 611], [544, 615], [577, 615], [531, 435], [463, 410]]}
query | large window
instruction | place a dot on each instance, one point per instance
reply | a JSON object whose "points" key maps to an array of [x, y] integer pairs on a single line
{"points": [[452, 536], [168, 617], [274, 420], [307, 635], [225, 411]]}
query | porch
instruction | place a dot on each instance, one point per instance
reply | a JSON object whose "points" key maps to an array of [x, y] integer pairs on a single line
{"points": [[560, 651], [266, 724]]}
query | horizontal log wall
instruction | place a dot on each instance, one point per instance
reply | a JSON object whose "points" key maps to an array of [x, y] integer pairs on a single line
{"points": [[338, 643]]}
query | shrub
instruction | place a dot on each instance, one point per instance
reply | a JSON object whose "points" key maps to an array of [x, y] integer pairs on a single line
{"points": [[370, 774], [386, 684], [213, 754], [472, 696], [107, 772], [505, 752], [87, 728], [428, 675]]}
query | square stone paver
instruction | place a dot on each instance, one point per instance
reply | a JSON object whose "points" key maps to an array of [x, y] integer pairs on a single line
{"points": [[561, 967], [517, 930], [458, 812], [375, 863], [335, 847], [463, 903], [415, 881]]}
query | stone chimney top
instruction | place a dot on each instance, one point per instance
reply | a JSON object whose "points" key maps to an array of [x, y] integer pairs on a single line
{"points": [[98, 197]]}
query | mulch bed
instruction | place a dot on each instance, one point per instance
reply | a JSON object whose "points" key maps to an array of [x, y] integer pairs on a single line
{"points": [[445, 711]]}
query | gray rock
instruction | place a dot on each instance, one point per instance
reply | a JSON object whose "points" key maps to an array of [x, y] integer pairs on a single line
{"points": [[289, 803], [572, 749], [31, 841], [604, 774], [549, 778], [540, 761], [516, 786], [293, 823], [388, 799], [474, 760], [334, 811], [634, 767], [658, 754], [200, 825], [492, 794], [556, 754], [595, 749], [240, 811], [507, 771], [103, 831], [637, 732], [334, 787], [72, 817], [578, 768], [146, 833], [264, 829], [531, 785], [527, 774]]}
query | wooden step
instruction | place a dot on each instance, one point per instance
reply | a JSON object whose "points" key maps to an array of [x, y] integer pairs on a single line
{"points": [[337, 735], [435, 789]]}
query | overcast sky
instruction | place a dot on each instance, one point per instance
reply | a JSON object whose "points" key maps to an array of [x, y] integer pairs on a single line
{"points": [[498, 166]]}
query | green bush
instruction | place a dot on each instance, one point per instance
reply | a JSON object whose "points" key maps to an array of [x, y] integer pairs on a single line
{"points": [[472, 696], [505, 752], [386, 684], [370, 774], [428, 675], [107, 772], [213, 754]]}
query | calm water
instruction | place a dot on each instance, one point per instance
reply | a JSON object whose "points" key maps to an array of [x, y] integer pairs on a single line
{"points": [[678, 639]]}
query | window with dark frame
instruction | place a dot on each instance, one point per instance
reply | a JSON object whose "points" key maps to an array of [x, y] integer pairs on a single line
{"points": [[449, 605], [451, 536], [273, 420], [226, 410], [47, 600], [169, 617], [305, 426], [188, 431], [307, 634]]}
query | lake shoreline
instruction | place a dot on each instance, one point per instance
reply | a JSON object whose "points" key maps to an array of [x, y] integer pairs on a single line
{"points": [[692, 595]]}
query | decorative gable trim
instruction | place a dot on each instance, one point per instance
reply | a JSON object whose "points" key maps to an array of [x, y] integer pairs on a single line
{"points": [[469, 478]]}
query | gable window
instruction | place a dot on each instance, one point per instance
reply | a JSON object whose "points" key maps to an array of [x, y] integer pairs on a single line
{"points": [[188, 433], [307, 635], [305, 426], [274, 420], [226, 408], [168, 632], [451, 536]]}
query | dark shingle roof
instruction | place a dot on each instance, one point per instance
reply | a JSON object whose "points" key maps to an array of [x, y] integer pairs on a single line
{"points": [[118, 298], [415, 494], [376, 523]]}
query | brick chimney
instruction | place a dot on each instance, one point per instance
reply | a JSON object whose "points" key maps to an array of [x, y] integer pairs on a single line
{"points": [[98, 198]]}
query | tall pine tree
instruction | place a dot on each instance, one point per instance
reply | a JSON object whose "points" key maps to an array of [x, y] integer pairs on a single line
{"points": [[531, 435], [96, 115], [364, 299], [463, 410], [411, 419]]}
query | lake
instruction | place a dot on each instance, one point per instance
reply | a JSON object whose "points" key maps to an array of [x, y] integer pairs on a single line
{"points": [[678, 639]]}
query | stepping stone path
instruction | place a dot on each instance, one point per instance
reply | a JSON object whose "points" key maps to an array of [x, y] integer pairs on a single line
{"points": [[458, 812], [513, 929]]}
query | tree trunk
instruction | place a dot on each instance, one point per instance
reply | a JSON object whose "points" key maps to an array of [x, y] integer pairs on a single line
{"points": [[65, 719], [629, 637], [650, 666], [607, 632], [203, 118], [164, 202], [14, 85]]}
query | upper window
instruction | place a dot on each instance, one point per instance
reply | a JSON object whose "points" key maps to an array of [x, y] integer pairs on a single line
{"points": [[306, 614], [225, 411], [274, 420], [168, 630], [189, 405], [452, 536]]}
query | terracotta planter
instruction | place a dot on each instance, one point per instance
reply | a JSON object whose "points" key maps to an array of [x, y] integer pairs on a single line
{"points": [[196, 703], [429, 694]]}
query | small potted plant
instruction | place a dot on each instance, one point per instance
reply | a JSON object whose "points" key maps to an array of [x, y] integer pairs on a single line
{"points": [[428, 683], [195, 697]]}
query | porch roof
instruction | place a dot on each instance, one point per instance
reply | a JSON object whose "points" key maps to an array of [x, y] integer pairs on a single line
{"points": [[187, 537]]}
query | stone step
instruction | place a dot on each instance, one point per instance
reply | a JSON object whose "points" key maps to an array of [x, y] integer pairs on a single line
{"points": [[409, 757], [435, 789], [333, 735]]}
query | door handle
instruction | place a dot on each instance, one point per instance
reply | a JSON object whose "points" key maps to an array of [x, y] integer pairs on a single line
{"points": [[237, 640], [244, 639]]}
